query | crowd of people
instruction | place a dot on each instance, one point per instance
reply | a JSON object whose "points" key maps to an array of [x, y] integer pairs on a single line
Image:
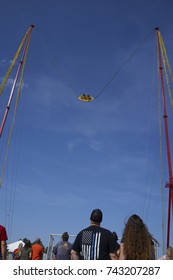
{"points": [[97, 243], [25, 250], [94, 243], [29, 251]]}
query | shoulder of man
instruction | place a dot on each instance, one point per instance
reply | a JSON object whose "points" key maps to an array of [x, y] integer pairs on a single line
{"points": [[106, 230], [80, 232]]}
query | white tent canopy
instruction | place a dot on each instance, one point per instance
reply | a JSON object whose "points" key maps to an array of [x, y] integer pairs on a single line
{"points": [[11, 247]]}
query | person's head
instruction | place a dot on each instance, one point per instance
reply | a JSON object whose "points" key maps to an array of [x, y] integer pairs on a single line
{"points": [[38, 240], [65, 236], [138, 242], [96, 216], [169, 253], [115, 236], [27, 243], [135, 219], [20, 246]]}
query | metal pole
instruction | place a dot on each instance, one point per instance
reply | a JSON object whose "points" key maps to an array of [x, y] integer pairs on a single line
{"points": [[165, 117], [15, 80]]}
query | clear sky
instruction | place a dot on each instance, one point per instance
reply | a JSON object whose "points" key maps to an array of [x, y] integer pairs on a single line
{"points": [[68, 157]]}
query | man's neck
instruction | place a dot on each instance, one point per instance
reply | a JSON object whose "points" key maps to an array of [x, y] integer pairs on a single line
{"points": [[95, 224]]}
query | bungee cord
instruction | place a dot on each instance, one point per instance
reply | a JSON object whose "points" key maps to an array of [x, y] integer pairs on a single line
{"points": [[52, 60], [123, 65], [85, 97]]}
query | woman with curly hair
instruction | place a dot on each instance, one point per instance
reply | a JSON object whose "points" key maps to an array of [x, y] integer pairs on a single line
{"points": [[137, 243]]}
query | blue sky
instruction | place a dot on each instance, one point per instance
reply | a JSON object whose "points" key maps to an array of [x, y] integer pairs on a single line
{"points": [[68, 157]]}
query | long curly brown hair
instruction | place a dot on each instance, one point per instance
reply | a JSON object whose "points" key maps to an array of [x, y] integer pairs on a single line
{"points": [[138, 242]]}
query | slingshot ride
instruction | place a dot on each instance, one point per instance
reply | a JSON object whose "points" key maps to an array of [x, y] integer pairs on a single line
{"points": [[164, 71]]}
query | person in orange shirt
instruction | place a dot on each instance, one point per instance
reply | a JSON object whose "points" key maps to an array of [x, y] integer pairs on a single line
{"points": [[37, 250]]}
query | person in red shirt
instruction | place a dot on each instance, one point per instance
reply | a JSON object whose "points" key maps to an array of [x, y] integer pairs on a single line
{"points": [[3, 244], [17, 252], [37, 250]]}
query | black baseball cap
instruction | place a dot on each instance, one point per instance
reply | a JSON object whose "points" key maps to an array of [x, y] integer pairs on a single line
{"points": [[96, 216]]}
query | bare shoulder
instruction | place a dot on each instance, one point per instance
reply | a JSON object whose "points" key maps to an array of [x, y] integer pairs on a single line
{"points": [[122, 255]]}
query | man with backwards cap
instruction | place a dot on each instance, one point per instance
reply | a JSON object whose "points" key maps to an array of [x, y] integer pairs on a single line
{"points": [[94, 242]]}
